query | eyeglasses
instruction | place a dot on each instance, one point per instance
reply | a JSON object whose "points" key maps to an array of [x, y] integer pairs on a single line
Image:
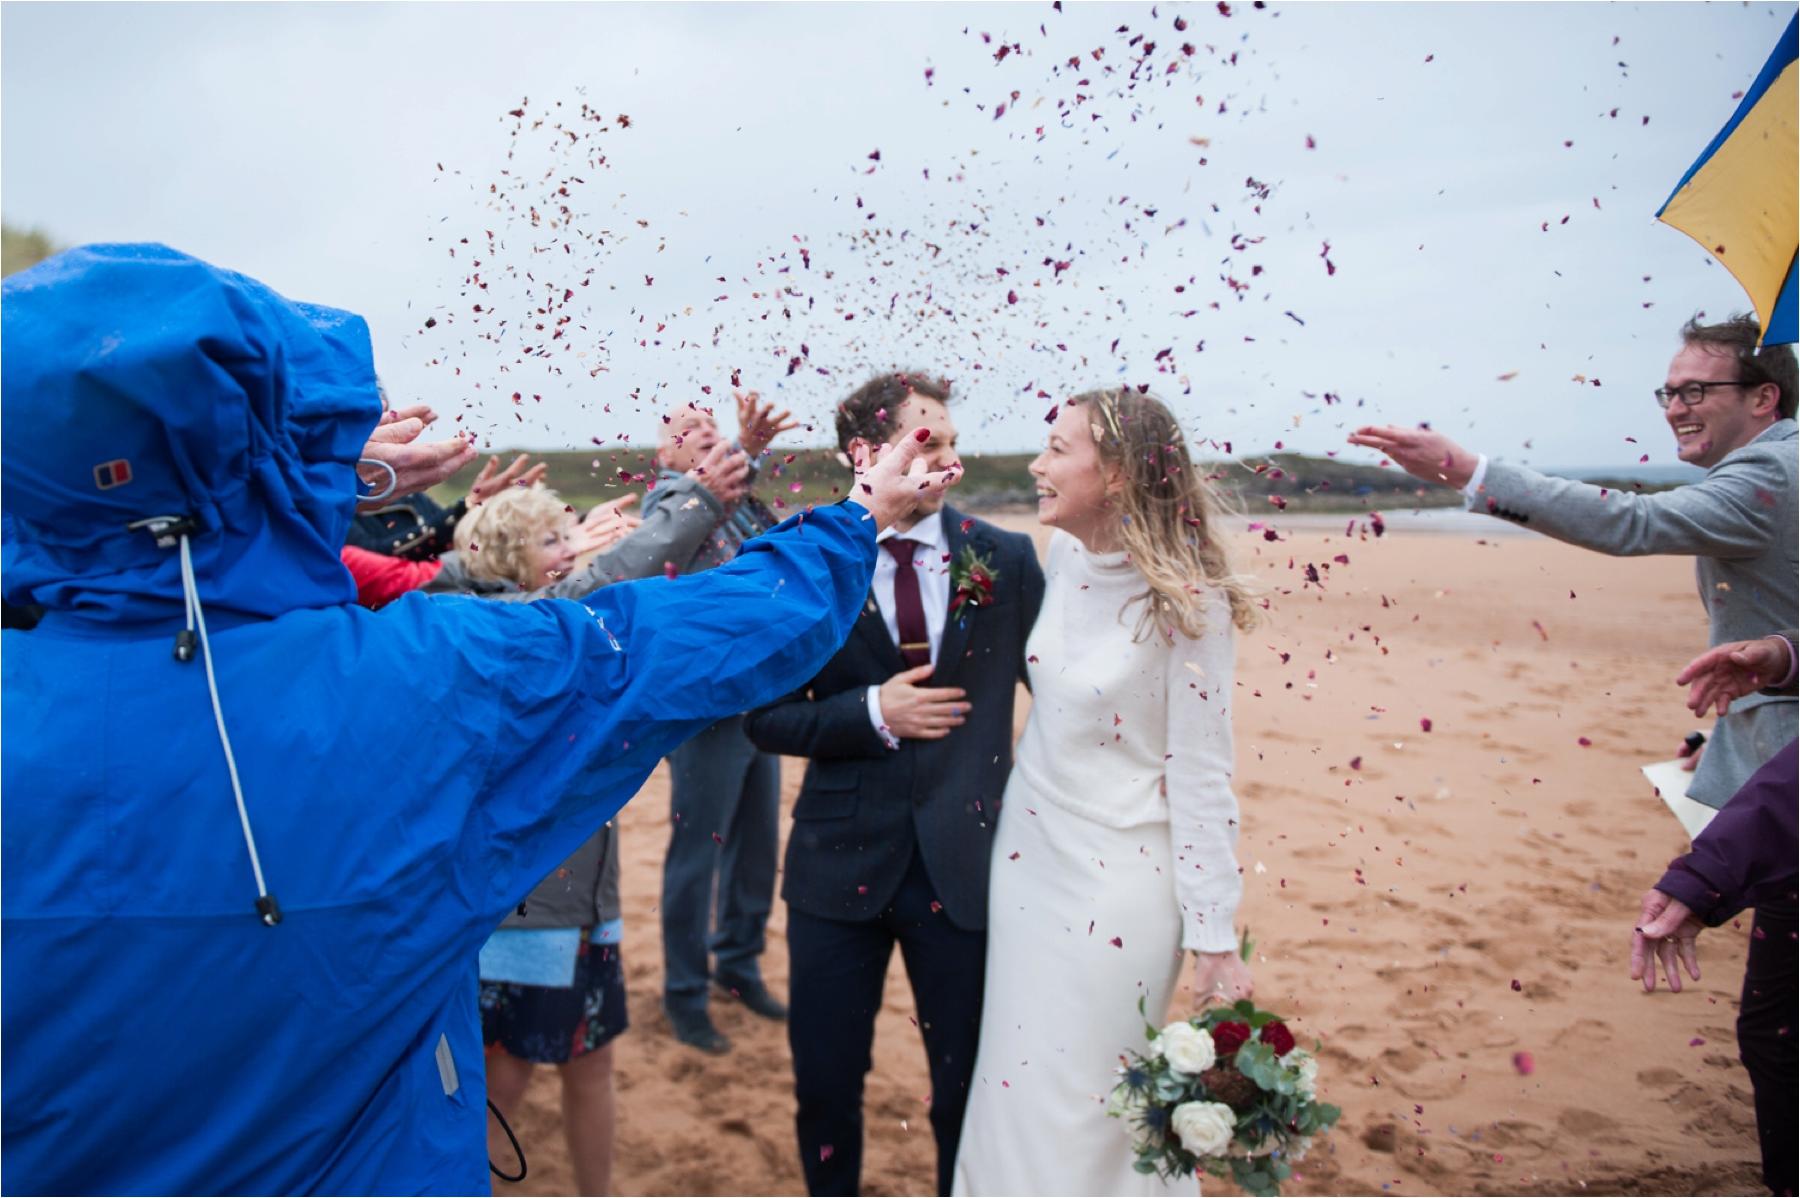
{"points": [[1692, 395]]}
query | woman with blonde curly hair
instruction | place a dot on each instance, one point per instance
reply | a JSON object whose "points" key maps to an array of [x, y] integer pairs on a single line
{"points": [[1115, 856]]}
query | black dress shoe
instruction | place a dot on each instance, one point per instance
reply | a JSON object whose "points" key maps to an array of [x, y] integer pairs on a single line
{"points": [[695, 1029], [753, 994]]}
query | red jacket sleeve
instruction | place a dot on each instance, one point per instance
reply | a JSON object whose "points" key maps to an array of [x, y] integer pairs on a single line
{"points": [[381, 579]]}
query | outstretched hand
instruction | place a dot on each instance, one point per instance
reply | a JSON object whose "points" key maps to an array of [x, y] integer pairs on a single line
{"points": [[1428, 456], [1665, 934], [891, 482], [760, 423], [416, 467], [492, 480], [1732, 671]]}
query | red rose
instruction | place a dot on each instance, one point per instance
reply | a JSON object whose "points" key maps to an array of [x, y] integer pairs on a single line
{"points": [[1276, 1036], [1229, 1037]]}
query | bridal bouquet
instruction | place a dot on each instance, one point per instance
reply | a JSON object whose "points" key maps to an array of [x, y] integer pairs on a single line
{"points": [[1226, 1091]]}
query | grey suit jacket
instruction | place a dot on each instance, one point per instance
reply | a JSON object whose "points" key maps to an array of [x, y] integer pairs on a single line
{"points": [[1739, 523]]}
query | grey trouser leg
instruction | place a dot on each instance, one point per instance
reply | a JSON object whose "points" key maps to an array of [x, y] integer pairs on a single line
{"points": [[723, 824]]}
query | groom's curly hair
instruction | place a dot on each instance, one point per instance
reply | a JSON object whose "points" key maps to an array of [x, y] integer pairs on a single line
{"points": [[1170, 515], [872, 412]]}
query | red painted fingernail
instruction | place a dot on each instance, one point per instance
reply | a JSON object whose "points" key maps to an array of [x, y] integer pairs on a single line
{"points": [[921, 434]]}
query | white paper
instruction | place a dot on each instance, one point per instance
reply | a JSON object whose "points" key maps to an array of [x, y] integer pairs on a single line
{"points": [[1671, 783]]}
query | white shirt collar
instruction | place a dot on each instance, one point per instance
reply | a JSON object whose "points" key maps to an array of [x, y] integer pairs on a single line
{"points": [[928, 532]]}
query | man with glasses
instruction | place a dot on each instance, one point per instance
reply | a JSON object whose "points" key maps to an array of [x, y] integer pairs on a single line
{"points": [[1730, 406]]}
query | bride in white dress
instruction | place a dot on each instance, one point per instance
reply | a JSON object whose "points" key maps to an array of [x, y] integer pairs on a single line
{"points": [[1114, 858]]}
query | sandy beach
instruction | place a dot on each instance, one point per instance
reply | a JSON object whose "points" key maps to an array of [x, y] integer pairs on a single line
{"points": [[1445, 835]]}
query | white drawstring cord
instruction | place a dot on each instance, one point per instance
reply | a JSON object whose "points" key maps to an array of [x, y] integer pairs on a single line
{"points": [[265, 902]]}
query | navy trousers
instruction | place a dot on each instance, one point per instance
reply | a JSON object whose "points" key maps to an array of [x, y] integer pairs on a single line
{"points": [[724, 813], [837, 970]]}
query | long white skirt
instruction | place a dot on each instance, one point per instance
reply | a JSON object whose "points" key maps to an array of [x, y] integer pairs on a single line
{"points": [[1082, 922]]}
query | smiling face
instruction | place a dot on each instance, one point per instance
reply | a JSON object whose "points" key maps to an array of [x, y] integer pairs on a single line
{"points": [[549, 554], [1073, 484], [1728, 418], [687, 438]]}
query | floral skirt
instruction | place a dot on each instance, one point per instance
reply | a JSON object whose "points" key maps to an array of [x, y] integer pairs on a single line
{"points": [[551, 1025]]}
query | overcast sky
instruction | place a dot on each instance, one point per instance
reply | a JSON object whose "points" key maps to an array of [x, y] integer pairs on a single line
{"points": [[1324, 214]]}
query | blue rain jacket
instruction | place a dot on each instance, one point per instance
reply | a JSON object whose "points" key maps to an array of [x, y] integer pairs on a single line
{"points": [[158, 1037]]}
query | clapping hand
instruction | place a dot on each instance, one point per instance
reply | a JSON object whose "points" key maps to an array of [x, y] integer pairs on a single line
{"points": [[725, 472], [1665, 932], [492, 480], [605, 526], [1431, 457], [759, 423], [1732, 671], [416, 467]]}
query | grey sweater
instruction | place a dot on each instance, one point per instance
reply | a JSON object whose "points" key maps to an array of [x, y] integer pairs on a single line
{"points": [[1739, 523], [673, 529]]}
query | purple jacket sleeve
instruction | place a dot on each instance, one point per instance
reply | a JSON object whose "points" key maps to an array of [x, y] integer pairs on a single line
{"points": [[1746, 855]]}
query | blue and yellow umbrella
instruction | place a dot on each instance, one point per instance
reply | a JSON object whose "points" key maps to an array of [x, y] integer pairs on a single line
{"points": [[1738, 200]]}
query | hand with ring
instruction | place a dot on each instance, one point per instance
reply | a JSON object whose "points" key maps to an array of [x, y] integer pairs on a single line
{"points": [[1665, 935]]}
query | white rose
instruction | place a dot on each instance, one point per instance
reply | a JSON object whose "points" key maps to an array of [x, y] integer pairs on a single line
{"points": [[1187, 1049], [1204, 1128], [1307, 1067]]}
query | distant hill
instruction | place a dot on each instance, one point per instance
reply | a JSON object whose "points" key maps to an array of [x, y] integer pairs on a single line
{"points": [[1280, 481]]}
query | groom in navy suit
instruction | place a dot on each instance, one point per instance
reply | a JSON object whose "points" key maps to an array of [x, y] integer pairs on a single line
{"points": [[909, 731]]}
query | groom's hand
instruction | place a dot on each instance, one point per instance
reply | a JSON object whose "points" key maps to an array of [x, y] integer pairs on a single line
{"points": [[914, 712]]}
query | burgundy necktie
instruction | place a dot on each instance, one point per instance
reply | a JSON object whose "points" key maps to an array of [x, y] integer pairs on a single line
{"points": [[909, 611]]}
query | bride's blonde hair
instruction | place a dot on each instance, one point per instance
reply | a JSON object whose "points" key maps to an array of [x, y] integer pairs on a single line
{"points": [[1169, 514]]}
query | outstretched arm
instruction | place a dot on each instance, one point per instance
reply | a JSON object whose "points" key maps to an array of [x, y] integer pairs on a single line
{"points": [[1732, 513]]}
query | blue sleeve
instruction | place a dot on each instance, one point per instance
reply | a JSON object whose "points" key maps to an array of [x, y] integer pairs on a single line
{"points": [[592, 693]]}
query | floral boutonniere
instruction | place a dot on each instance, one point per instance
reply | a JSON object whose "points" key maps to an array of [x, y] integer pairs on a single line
{"points": [[971, 581]]}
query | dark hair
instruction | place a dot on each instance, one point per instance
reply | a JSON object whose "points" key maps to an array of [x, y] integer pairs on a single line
{"points": [[872, 411], [1738, 335]]}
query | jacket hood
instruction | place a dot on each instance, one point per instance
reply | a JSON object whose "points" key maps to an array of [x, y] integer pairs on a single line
{"points": [[137, 381]]}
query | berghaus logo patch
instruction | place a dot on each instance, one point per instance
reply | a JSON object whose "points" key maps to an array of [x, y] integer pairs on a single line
{"points": [[115, 473]]}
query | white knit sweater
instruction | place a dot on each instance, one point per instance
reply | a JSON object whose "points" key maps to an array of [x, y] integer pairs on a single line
{"points": [[1113, 720]]}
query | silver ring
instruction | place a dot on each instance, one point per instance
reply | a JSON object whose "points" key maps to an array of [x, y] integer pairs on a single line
{"points": [[393, 480]]}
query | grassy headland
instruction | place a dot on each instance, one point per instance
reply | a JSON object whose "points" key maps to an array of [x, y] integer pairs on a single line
{"points": [[1260, 484]]}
